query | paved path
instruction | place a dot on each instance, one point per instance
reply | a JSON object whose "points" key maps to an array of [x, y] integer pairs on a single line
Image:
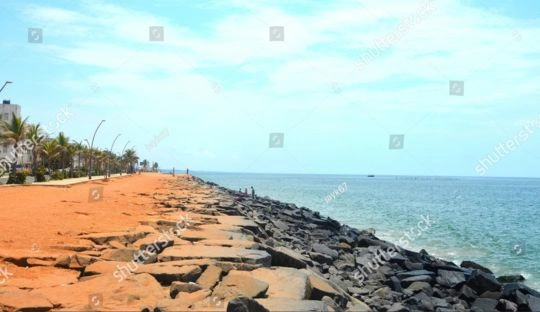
{"points": [[68, 182]]}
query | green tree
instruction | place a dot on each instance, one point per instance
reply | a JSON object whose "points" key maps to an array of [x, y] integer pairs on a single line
{"points": [[13, 132], [36, 135]]}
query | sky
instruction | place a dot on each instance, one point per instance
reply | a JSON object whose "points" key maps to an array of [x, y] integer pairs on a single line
{"points": [[440, 87]]}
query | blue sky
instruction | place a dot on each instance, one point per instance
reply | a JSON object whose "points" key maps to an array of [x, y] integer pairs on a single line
{"points": [[347, 75]]}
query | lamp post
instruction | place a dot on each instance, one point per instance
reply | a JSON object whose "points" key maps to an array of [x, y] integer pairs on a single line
{"points": [[5, 83], [122, 154], [91, 146], [109, 156]]}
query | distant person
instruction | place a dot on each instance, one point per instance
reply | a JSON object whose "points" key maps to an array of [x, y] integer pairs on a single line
{"points": [[173, 171], [187, 171], [252, 193], [245, 191]]}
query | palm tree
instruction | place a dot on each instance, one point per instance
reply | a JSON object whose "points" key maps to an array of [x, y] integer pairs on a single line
{"points": [[145, 164], [35, 134], [131, 158], [49, 149], [63, 149], [155, 167], [13, 132]]}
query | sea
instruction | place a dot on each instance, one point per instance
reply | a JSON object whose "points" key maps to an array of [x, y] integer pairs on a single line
{"points": [[492, 221]]}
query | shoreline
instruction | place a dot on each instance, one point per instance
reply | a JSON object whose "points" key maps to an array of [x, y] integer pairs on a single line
{"points": [[154, 242]]}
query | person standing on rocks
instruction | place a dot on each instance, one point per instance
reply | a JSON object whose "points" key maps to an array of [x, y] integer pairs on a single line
{"points": [[252, 193]]}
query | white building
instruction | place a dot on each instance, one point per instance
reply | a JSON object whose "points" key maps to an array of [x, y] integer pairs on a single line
{"points": [[6, 151]]}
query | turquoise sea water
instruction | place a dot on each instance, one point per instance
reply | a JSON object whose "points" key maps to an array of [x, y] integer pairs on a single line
{"points": [[493, 221]]}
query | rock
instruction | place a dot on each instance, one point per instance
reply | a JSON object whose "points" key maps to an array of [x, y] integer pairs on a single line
{"points": [[20, 300], [533, 303], [321, 287], [289, 304], [482, 281], [284, 282], [237, 283], [210, 277], [467, 293], [285, 257], [420, 286], [169, 305], [506, 279], [105, 267], [134, 293], [167, 272], [424, 301], [484, 305], [509, 306], [419, 278], [321, 258], [414, 273], [491, 294], [451, 279], [320, 248], [241, 255], [129, 254], [359, 307], [244, 304], [190, 298], [177, 287], [383, 293], [394, 283], [117, 245], [413, 266], [474, 265], [398, 307], [122, 237], [509, 290]]}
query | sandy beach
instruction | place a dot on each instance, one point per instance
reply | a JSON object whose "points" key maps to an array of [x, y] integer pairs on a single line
{"points": [[154, 242]]}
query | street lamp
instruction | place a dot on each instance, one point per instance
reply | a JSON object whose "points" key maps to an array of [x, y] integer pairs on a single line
{"points": [[5, 83], [91, 146], [109, 157], [122, 154]]}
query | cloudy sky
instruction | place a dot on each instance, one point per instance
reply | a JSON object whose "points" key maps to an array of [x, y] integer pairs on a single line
{"points": [[203, 84]]}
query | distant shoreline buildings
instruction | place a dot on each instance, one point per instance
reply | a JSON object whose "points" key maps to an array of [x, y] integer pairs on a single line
{"points": [[7, 109]]}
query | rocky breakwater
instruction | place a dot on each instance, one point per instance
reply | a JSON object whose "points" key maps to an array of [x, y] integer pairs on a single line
{"points": [[206, 248]]}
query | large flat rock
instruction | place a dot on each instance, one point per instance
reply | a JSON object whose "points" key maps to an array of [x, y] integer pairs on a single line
{"points": [[20, 300], [122, 237], [132, 294], [283, 282], [288, 304], [167, 272], [250, 256], [236, 283]]}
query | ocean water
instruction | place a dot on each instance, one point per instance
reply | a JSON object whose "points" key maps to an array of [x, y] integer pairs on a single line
{"points": [[492, 221]]}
